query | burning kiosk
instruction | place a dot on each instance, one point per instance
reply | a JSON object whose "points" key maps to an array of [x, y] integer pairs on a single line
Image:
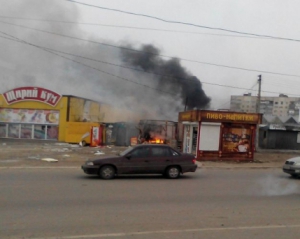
{"points": [[219, 135], [157, 132]]}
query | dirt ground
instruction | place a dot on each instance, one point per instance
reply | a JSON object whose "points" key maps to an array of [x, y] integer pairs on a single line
{"points": [[18, 153]]}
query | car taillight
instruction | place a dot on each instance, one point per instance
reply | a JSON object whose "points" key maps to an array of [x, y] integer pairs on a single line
{"points": [[194, 161]]}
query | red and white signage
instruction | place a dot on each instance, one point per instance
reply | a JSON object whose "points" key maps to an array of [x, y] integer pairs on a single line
{"points": [[95, 136], [32, 93]]}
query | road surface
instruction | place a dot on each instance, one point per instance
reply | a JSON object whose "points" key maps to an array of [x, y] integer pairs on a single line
{"points": [[211, 203]]}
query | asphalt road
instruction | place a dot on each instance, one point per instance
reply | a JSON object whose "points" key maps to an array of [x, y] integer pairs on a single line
{"points": [[212, 203]]}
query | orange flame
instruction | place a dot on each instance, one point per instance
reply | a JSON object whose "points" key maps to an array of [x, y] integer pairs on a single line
{"points": [[156, 141]]}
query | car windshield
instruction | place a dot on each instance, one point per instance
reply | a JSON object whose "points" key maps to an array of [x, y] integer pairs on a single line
{"points": [[126, 151]]}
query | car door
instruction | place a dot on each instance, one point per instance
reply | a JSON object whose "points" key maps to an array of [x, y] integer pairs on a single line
{"points": [[161, 157], [136, 161]]}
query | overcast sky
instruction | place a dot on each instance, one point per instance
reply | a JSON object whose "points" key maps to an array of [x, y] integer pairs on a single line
{"points": [[200, 50]]}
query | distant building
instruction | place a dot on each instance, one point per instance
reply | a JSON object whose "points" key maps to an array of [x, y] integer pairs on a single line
{"points": [[278, 106], [279, 132]]}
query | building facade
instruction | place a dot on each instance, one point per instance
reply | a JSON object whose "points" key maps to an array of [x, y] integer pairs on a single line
{"points": [[218, 135], [278, 106], [39, 113]]}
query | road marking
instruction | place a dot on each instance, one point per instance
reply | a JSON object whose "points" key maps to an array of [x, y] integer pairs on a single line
{"points": [[126, 234]]}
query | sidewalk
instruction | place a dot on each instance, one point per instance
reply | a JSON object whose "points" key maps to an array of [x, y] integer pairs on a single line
{"points": [[20, 153], [234, 165]]}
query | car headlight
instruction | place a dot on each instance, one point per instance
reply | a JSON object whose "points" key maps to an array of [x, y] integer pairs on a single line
{"points": [[297, 164], [89, 163]]}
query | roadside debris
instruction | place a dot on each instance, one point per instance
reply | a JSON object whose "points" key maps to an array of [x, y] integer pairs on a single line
{"points": [[74, 145], [10, 161], [60, 150], [99, 152], [34, 157], [50, 160], [60, 144], [66, 155]]}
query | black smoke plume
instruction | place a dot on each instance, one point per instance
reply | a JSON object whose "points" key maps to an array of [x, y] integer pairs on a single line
{"points": [[170, 76]]}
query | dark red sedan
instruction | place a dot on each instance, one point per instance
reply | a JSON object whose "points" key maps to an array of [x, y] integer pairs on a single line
{"points": [[143, 159]]}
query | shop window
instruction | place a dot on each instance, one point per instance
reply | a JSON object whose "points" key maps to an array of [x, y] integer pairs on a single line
{"points": [[52, 132], [39, 132], [14, 131], [3, 130], [26, 131]]}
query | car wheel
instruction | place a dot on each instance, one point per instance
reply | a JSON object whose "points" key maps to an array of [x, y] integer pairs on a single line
{"points": [[107, 172], [294, 175], [173, 172]]}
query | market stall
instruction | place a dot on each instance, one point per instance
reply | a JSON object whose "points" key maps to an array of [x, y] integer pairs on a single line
{"points": [[219, 135]]}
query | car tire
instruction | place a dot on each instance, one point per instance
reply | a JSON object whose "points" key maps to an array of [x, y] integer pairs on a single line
{"points": [[107, 172], [294, 175], [173, 172]]}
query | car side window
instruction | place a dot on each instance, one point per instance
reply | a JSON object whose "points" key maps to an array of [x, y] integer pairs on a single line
{"points": [[160, 152], [141, 152], [174, 153]]}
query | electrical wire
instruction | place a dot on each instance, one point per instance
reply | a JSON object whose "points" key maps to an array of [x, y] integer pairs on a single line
{"points": [[107, 73], [183, 23], [61, 52], [164, 56], [274, 82], [130, 27], [229, 101], [53, 52]]}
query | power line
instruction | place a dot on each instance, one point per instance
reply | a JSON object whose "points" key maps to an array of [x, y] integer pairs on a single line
{"points": [[250, 89], [53, 50], [123, 78], [130, 27], [165, 56], [184, 23], [108, 63]]}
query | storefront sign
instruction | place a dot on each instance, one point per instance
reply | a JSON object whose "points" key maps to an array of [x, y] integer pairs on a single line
{"points": [[27, 116], [277, 127], [229, 117], [32, 93], [188, 116]]}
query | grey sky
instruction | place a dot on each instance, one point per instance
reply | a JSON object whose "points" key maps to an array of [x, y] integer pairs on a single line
{"points": [[268, 17]]}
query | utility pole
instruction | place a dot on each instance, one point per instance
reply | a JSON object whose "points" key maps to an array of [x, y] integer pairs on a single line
{"points": [[258, 95], [257, 111]]}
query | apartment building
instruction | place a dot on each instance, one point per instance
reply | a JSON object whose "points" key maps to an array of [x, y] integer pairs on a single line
{"points": [[279, 106]]}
